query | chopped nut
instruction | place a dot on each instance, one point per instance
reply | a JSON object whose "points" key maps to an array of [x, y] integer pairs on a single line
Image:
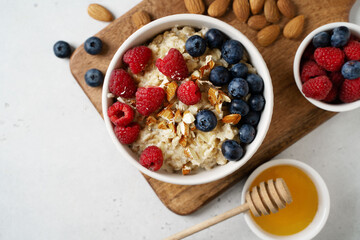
{"points": [[183, 141], [172, 127], [188, 117], [150, 120], [177, 117], [171, 90], [166, 114], [232, 118], [225, 97], [184, 129], [162, 125], [209, 65], [213, 96], [186, 169]]}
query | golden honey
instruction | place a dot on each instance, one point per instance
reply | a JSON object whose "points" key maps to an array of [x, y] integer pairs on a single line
{"points": [[297, 215]]}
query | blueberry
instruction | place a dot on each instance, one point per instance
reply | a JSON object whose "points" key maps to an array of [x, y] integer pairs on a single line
{"points": [[351, 70], [214, 38], [205, 120], [62, 49], [94, 77], [247, 133], [238, 88], [321, 39], [256, 102], [195, 46], [219, 76], [251, 118], [232, 150], [232, 51], [239, 70], [239, 106], [93, 45], [256, 84], [340, 36]]}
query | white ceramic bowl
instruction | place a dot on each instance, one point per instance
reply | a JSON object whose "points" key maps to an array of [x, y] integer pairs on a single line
{"points": [[323, 208], [341, 107], [148, 32]]}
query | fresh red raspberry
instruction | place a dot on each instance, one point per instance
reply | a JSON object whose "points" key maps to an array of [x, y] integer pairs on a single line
{"points": [[152, 158], [352, 50], [173, 65], [331, 95], [310, 69], [350, 90], [317, 88], [330, 58], [336, 78], [149, 99], [128, 134], [189, 93], [137, 58], [121, 84], [120, 114]]}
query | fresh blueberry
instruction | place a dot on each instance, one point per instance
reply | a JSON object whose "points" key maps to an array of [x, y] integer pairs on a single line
{"points": [[232, 51], [321, 39], [205, 120], [351, 70], [239, 70], [219, 76], [94, 77], [238, 88], [93, 45], [195, 46], [251, 118], [232, 150], [62, 49], [340, 36], [256, 84], [214, 38], [247, 133], [256, 102], [238, 106]]}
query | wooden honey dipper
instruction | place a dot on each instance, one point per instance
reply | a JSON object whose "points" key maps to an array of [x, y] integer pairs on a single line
{"points": [[263, 199]]}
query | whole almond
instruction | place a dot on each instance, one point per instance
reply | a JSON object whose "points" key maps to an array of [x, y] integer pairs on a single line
{"points": [[256, 6], [268, 35], [241, 9], [287, 8], [195, 6], [140, 19], [271, 11], [257, 22], [218, 8], [100, 13], [294, 28]]}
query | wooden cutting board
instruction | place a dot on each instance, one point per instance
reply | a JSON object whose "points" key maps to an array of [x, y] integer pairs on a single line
{"points": [[293, 115]]}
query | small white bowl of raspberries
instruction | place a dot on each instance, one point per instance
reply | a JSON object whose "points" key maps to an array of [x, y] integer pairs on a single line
{"points": [[187, 99], [327, 67]]}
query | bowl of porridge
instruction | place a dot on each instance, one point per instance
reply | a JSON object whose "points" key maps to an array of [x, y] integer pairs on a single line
{"points": [[187, 99]]}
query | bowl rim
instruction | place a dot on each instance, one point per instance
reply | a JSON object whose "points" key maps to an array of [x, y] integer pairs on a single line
{"points": [[321, 215], [341, 107], [253, 53]]}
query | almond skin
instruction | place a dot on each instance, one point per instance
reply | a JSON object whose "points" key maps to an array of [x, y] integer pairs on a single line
{"points": [[100, 13], [268, 35], [294, 28], [256, 6], [195, 6], [140, 19], [271, 11], [257, 22], [218, 8], [241, 9], [287, 8]]}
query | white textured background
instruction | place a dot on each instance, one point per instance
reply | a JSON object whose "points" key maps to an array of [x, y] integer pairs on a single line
{"points": [[61, 177]]}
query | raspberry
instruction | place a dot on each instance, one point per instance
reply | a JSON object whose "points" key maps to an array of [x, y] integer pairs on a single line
{"points": [[317, 88], [331, 95], [137, 58], [173, 65], [350, 90], [310, 69], [121, 84], [152, 158], [189, 93], [120, 114], [128, 134], [330, 58], [336, 78], [149, 99], [352, 50]]}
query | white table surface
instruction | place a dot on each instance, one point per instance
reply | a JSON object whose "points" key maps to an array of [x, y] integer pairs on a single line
{"points": [[61, 177]]}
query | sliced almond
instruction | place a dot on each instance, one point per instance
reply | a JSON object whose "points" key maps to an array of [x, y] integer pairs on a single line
{"points": [[171, 90], [271, 11], [257, 22], [241, 9], [232, 118], [140, 18], [100, 13], [294, 28], [256, 6], [218, 8], [166, 114], [287, 8], [188, 117], [195, 6], [268, 35]]}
